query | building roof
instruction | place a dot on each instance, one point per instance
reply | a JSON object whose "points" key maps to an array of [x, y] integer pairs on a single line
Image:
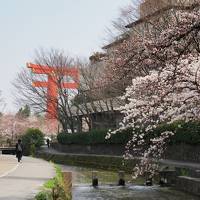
{"points": [[99, 106], [119, 40]]}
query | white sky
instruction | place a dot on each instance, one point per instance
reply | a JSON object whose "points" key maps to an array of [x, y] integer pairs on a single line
{"points": [[75, 26]]}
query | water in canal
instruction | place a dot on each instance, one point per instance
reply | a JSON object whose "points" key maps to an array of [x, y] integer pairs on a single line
{"points": [[108, 190]]}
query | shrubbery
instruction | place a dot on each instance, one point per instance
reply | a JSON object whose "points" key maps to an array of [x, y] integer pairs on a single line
{"points": [[43, 196], [188, 133], [93, 137], [33, 138]]}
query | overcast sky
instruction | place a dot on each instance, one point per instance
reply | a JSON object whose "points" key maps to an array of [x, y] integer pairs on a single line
{"points": [[75, 26]]}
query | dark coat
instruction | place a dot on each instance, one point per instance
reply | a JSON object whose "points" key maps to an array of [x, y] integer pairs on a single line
{"points": [[19, 153]]}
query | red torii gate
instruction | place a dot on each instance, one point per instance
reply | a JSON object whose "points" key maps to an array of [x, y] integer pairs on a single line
{"points": [[51, 84]]}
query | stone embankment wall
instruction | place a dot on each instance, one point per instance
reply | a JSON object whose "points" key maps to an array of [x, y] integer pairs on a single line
{"points": [[111, 163], [181, 152], [99, 149], [188, 184]]}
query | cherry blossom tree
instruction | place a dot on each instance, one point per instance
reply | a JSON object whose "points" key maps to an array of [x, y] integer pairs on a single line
{"points": [[12, 127], [167, 92]]}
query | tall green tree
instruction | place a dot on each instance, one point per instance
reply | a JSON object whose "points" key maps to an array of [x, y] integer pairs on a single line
{"points": [[24, 112]]}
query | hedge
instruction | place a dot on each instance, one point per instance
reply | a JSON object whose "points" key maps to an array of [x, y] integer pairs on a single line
{"points": [[185, 132], [94, 137]]}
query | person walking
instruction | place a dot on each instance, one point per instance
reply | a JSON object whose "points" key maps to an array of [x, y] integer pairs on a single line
{"points": [[19, 150], [48, 142]]}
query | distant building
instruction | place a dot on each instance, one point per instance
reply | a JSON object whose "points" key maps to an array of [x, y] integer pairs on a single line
{"points": [[149, 7], [100, 114], [151, 12], [104, 113]]}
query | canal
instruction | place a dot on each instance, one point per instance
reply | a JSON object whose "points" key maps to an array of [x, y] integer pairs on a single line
{"points": [[107, 190]]}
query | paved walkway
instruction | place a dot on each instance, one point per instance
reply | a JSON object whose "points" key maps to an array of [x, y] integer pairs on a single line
{"points": [[22, 181], [174, 163], [7, 163]]}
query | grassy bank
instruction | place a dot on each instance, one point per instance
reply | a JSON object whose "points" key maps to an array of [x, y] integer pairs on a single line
{"points": [[53, 189]]}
